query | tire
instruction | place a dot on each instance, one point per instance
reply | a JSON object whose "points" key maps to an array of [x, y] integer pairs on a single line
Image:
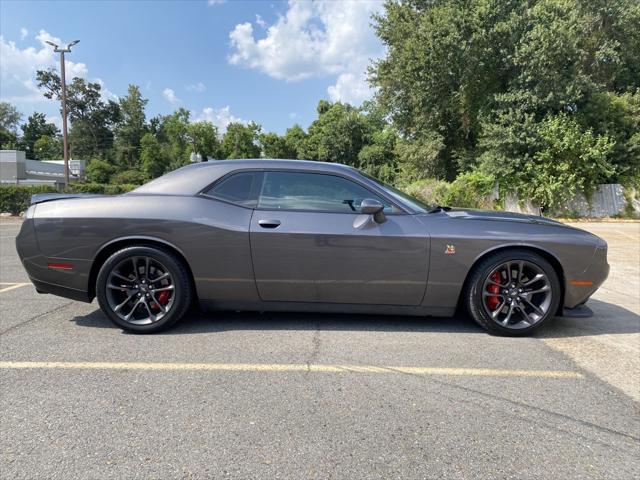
{"points": [[506, 281], [157, 292]]}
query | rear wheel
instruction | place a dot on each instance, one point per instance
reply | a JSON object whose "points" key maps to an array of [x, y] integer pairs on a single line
{"points": [[143, 289], [513, 293]]}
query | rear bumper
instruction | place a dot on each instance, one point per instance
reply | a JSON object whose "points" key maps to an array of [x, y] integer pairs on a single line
{"points": [[69, 283], [60, 291]]}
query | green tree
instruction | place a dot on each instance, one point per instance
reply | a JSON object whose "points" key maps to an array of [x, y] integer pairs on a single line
{"points": [[378, 156], [337, 135], [48, 148], [92, 119], [275, 146], [32, 131], [467, 70], [203, 139], [241, 141], [571, 160], [99, 171], [295, 138], [421, 158], [131, 127], [153, 156], [173, 133], [9, 120]]}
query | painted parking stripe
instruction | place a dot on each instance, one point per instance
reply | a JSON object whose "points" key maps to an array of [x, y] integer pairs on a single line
{"points": [[12, 286], [276, 367]]}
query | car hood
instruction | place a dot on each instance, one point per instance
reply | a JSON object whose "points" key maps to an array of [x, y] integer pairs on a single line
{"points": [[493, 215]]}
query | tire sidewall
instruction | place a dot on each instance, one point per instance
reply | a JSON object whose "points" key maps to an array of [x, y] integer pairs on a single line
{"points": [[475, 294], [181, 287]]}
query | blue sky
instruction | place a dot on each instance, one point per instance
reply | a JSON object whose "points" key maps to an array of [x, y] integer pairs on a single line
{"points": [[266, 61]]}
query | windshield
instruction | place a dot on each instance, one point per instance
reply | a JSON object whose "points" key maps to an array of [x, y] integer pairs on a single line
{"points": [[401, 196]]}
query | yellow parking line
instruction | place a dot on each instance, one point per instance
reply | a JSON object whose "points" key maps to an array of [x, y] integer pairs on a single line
{"points": [[275, 367], [12, 286]]}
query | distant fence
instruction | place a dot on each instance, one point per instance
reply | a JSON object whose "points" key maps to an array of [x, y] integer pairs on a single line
{"points": [[608, 200]]}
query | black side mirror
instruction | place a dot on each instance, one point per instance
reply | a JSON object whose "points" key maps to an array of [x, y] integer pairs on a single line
{"points": [[373, 207]]}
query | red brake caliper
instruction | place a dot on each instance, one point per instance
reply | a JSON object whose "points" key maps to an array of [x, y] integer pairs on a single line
{"points": [[492, 302], [163, 299]]}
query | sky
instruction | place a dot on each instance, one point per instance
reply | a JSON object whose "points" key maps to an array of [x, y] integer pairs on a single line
{"points": [[224, 60]]}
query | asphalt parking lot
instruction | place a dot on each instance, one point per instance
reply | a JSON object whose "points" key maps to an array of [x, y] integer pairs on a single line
{"points": [[239, 395]]}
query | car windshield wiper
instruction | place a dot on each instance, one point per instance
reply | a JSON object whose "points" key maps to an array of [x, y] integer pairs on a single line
{"points": [[439, 208]]}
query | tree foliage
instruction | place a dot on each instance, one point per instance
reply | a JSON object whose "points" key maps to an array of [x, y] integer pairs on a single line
{"points": [[37, 128], [493, 79], [131, 127], [241, 141], [92, 118], [9, 119]]}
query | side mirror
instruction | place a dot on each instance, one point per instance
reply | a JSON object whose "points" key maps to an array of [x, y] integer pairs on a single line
{"points": [[373, 207]]}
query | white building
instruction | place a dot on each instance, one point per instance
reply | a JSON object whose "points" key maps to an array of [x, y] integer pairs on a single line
{"points": [[16, 169]]}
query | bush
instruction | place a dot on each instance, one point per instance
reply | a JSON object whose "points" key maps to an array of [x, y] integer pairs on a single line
{"points": [[429, 191], [99, 171], [129, 177], [471, 190], [15, 198]]}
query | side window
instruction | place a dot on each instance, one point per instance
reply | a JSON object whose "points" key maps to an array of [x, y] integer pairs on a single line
{"points": [[240, 188], [313, 191]]}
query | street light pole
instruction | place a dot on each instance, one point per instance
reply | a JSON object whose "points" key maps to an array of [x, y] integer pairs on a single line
{"points": [[63, 85], [65, 141]]}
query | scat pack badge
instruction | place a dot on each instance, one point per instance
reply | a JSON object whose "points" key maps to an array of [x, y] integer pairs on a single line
{"points": [[450, 250]]}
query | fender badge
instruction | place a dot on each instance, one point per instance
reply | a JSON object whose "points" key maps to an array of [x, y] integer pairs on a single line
{"points": [[450, 250]]}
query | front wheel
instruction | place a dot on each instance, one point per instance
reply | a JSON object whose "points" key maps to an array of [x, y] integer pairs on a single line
{"points": [[513, 293], [143, 289]]}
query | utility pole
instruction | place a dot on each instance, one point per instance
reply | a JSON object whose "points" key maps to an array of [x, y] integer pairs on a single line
{"points": [[63, 85]]}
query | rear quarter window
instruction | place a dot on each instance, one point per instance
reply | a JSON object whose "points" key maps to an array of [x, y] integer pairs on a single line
{"points": [[240, 188]]}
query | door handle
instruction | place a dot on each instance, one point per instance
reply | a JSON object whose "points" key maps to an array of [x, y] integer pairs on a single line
{"points": [[269, 223]]}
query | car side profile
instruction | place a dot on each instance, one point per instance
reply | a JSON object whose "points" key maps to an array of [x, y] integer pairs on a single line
{"points": [[291, 235]]}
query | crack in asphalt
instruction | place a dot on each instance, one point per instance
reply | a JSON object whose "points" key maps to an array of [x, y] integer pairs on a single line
{"points": [[523, 406], [35, 318]]}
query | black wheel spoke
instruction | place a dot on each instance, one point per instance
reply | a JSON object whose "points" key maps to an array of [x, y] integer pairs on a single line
{"points": [[536, 308], [497, 311], [122, 277], [161, 277]]}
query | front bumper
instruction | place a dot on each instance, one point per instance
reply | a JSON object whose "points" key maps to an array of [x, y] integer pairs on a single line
{"points": [[579, 287]]}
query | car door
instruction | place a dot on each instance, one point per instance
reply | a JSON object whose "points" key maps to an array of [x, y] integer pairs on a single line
{"points": [[310, 243]]}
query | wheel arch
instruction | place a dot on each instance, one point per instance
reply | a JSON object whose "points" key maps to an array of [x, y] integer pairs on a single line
{"points": [[114, 245], [548, 256]]}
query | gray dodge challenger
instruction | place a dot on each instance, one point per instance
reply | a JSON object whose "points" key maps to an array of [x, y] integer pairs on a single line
{"points": [[289, 235]]}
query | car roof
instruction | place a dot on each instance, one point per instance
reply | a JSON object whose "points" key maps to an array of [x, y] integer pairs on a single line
{"points": [[193, 178]]}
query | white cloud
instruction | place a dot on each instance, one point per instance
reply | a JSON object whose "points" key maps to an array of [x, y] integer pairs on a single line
{"points": [[260, 21], [55, 119], [197, 87], [18, 68], [170, 96], [106, 93], [313, 39], [216, 2], [350, 88], [23, 33], [220, 117]]}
